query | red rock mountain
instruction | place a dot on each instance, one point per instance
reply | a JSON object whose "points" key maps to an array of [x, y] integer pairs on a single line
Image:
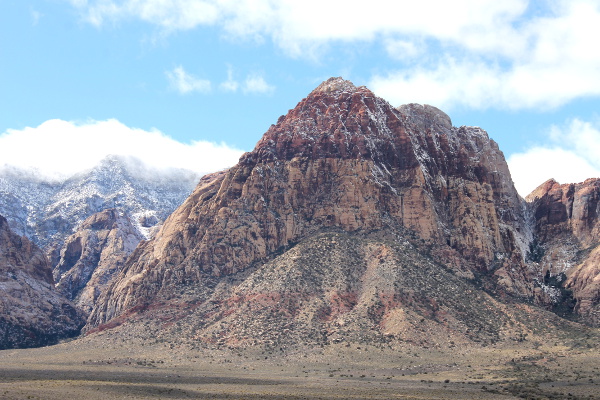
{"points": [[32, 312], [91, 256], [567, 246], [390, 181]]}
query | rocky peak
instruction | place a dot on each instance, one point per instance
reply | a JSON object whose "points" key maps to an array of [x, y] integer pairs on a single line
{"points": [[335, 84], [541, 190], [572, 208], [105, 219], [342, 159], [566, 250], [338, 120], [48, 212], [426, 116]]}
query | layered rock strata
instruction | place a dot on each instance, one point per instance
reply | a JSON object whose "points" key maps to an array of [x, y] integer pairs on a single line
{"points": [[567, 246], [342, 160]]}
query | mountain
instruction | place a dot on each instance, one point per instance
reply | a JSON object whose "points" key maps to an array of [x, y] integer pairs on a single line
{"points": [[566, 250], [93, 254], [32, 312], [349, 216], [48, 211]]}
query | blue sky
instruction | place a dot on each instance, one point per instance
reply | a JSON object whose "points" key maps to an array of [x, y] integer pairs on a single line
{"points": [[206, 78]]}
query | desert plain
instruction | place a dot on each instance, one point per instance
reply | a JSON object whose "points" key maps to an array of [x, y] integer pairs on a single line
{"points": [[105, 365]]}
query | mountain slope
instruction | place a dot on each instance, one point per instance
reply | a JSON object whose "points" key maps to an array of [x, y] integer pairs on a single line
{"points": [[343, 160], [32, 312], [49, 211], [92, 255]]}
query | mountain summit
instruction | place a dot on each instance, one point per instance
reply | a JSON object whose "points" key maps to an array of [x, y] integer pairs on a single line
{"points": [[399, 206]]}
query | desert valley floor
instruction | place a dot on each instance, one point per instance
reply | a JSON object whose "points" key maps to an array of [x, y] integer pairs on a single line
{"points": [[109, 366]]}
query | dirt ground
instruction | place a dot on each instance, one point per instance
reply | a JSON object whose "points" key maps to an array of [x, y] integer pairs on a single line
{"points": [[107, 367]]}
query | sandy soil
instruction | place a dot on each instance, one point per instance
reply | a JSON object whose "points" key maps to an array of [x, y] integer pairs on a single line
{"points": [[106, 367]]}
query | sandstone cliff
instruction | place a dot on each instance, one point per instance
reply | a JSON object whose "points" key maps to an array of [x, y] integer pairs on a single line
{"points": [[341, 160], [92, 255], [32, 312], [567, 246]]}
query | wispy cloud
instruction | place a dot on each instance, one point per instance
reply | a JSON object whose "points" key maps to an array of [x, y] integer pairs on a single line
{"points": [[576, 145], [255, 83], [35, 16], [43, 148], [184, 82], [169, 14], [480, 54], [230, 85]]}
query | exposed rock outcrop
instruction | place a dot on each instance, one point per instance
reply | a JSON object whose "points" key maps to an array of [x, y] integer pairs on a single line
{"points": [[342, 160], [92, 255], [49, 211], [567, 246], [32, 312]]}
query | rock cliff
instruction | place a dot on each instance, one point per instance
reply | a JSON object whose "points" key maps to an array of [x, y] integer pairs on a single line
{"points": [[32, 312], [92, 255], [343, 160], [567, 246]]}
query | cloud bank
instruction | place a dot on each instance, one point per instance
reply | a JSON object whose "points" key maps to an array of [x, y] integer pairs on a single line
{"points": [[512, 54], [572, 157], [58, 148]]}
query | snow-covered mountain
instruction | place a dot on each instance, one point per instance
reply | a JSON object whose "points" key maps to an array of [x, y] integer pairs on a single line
{"points": [[48, 211]]}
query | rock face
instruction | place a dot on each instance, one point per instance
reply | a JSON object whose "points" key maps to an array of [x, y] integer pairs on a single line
{"points": [[48, 212], [92, 255], [334, 287], [343, 160], [32, 312], [567, 246]]}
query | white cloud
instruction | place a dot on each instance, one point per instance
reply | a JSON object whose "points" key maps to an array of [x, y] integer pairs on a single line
{"points": [[295, 25], [471, 83], [185, 83], [550, 63], [169, 14], [511, 54], [60, 148], [573, 157], [404, 49], [256, 83], [230, 85]]}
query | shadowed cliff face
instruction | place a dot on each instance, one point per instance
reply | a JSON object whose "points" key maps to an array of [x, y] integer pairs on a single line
{"points": [[567, 229], [32, 312], [342, 160]]}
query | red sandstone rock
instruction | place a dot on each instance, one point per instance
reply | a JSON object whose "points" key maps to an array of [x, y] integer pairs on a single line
{"points": [[567, 228], [342, 159]]}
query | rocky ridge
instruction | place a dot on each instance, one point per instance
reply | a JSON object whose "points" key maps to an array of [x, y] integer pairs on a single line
{"points": [[566, 250], [32, 312], [48, 211], [343, 160], [91, 256]]}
